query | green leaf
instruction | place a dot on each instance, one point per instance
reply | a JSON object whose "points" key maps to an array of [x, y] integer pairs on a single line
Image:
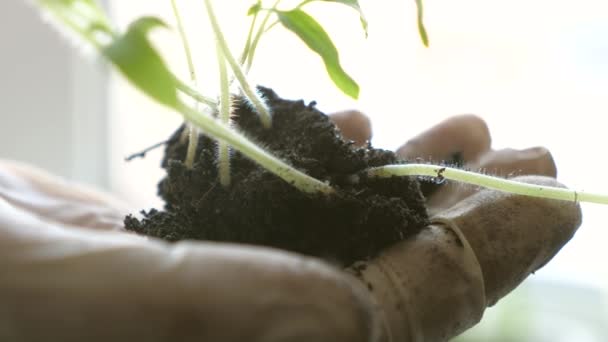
{"points": [[255, 8], [354, 4], [133, 54], [315, 37], [421, 29]]}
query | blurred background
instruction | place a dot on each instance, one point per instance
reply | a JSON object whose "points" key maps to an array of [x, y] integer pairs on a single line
{"points": [[536, 71]]}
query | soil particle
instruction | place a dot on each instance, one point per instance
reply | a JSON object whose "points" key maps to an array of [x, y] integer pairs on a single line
{"points": [[353, 224]]}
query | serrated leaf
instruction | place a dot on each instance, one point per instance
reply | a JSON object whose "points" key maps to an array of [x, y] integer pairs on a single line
{"points": [[133, 54], [255, 8], [315, 37], [355, 5], [421, 29]]}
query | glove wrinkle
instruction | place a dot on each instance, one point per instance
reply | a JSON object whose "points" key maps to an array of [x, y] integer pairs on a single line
{"points": [[86, 285]]}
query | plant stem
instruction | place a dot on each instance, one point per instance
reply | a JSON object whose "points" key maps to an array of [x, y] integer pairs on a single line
{"points": [[247, 47], [86, 32], [223, 132], [275, 23], [193, 131], [256, 100], [193, 93], [192, 146], [304, 3], [258, 36], [182, 34], [489, 182], [421, 29], [225, 106]]}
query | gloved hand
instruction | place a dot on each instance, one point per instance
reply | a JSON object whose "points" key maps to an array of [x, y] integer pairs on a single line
{"points": [[68, 272], [480, 244]]}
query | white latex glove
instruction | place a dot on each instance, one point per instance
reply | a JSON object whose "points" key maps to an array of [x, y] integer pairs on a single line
{"points": [[69, 273], [66, 276]]}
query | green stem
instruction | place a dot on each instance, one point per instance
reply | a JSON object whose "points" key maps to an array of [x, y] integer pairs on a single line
{"points": [[192, 146], [97, 14], [92, 13], [421, 29], [192, 131], [275, 23], [245, 52], [87, 32], [182, 34], [225, 106], [257, 102], [222, 132], [193, 93], [304, 3], [258, 36], [489, 182]]}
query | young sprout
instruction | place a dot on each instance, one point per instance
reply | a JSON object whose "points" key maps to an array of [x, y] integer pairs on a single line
{"points": [[490, 182], [134, 56]]}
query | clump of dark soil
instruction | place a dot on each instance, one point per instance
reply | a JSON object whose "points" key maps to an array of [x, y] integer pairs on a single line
{"points": [[259, 208]]}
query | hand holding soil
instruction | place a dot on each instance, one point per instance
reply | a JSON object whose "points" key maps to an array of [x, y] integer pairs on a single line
{"points": [[71, 273], [479, 246]]}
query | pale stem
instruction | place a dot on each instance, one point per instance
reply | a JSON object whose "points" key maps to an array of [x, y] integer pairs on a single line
{"points": [[192, 146], [245, 52], [258, 36], [304, 3], [222, 132], [486, 181], [192, 130], [257, 102], [193, 93], [76, 26], [225, 106], [184, 38]]}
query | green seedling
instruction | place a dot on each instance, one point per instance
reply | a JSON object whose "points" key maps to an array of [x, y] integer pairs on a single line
{"points": [[134, 56]]}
